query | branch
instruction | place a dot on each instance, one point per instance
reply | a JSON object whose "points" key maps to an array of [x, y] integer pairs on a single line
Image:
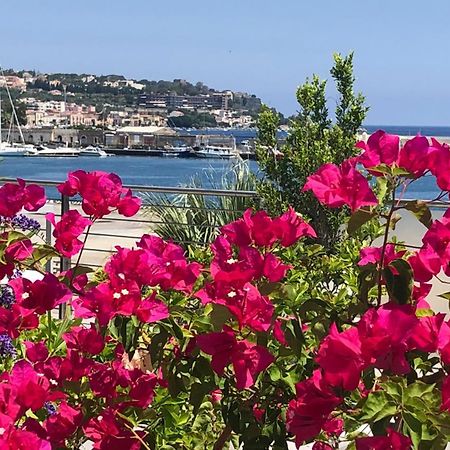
{"points": [[223, 438]]}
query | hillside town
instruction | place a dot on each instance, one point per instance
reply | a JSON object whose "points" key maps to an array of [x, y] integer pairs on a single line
{"points": [[111, 102]]}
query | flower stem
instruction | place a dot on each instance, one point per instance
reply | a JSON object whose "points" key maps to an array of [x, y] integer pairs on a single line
{"points": [[385, 241]]}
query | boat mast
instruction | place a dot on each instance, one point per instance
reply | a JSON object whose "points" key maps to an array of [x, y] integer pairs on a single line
{"points": [[0, 118], [14, 113]]}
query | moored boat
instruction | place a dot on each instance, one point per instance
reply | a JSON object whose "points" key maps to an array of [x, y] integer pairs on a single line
{"points": [[65, 152], [211, 151], [180, 151], [93, 151]]}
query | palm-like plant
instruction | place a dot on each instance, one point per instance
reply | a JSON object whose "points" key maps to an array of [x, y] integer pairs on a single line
{"points": [[194, 218]]}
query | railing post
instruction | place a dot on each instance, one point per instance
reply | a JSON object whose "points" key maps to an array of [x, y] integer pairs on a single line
{"points": [[65, 263], [48, 241]]}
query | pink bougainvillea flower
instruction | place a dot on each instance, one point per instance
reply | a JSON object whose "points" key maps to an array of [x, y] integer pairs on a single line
{"points": [[439, 163], [41, 295], [128, 264], [385, 334], [235, 270], [320, 445], [15, 319], [381, 148], [63, 424], [152, 310], [14, 197], [336, 186], [415, 156], [14, 252], [19, 250], [259, 229], [167, 266], [84, 340], [32, 390], [128, 205], [101, 193], [278, 333], [425, 336], [393, 441], [425, 264], [248, 360], [443, 343], [16, 439], [274, 269], [445, 394], [372, 255], [67, 231], [253, 228], [108, 432], [142, 388], [247, 304], [340, 357], [105, 301], [310, 410], [334, 426], [290, 227], [36, 352]]}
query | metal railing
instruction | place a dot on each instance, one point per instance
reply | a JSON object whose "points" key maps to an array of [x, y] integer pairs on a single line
{"points": [[115, 230], [118, 230]]}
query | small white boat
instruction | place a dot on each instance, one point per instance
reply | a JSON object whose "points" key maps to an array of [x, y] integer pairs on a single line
{"points": [[93, 151], [42, 151], [8, 149], [212, 151], [177, 151]]}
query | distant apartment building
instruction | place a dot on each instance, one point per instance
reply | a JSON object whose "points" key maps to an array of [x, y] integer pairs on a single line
{"points": [[13, 82], [136, 118], [124, 83], [215, 100], [55, 113]]}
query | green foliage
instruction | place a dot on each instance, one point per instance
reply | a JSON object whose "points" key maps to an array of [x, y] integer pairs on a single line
{"points": [[193, 119], [7, 109], [196, 218], [314, 139]]}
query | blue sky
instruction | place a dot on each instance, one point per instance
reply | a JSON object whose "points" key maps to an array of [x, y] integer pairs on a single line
{"points": [[264, 47]]}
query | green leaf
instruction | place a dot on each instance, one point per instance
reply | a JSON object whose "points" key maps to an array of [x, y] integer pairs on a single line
{"points": [[294, 336], [358, 219], [420, 209], [43, 253], [446, 296], [382, 168], [382, 184], [414, 427], [378, 406], [219, 315], [417, 389], [399, 281]]}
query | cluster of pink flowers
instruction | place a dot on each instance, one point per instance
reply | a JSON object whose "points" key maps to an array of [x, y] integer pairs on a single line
{"points": [[61, 386], [241, 256]]}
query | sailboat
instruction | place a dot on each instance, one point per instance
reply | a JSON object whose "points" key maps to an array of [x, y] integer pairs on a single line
{"points": [[8, 148]]}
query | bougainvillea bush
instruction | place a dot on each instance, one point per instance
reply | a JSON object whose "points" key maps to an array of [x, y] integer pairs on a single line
{"points": [[261, 340]]}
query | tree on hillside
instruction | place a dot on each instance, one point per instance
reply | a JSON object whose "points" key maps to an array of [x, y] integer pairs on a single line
{"points": [[314, 139]]}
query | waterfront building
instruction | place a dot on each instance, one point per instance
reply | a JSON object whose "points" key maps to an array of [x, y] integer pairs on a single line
{"points": [[135, 137], [215, 100]]}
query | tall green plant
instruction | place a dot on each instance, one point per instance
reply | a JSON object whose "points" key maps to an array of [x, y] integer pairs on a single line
{"points": [[314, 139], [195, 218]]}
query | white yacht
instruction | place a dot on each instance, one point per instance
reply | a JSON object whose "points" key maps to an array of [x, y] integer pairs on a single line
{"points": [[8, 149], [42, 151], [212, 151], [93, 151]]}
